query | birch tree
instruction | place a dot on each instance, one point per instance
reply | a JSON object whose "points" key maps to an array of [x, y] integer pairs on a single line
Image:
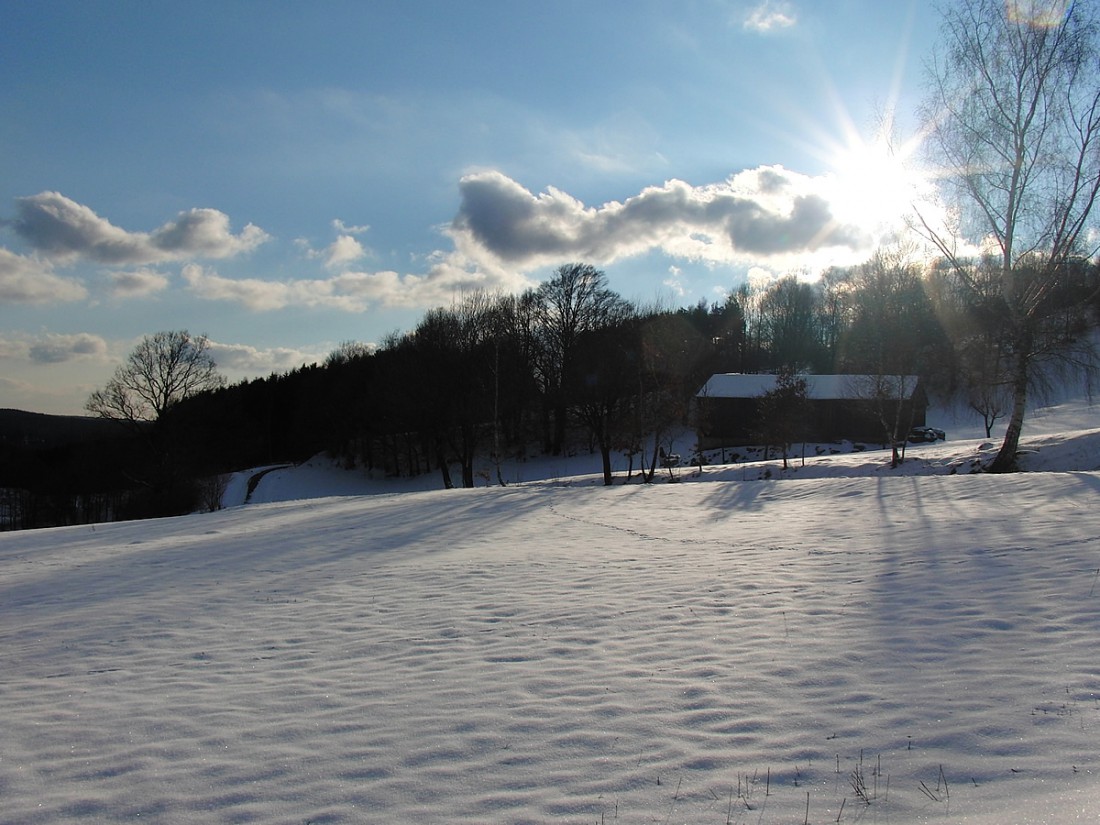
{"points": [[1013, 122]]}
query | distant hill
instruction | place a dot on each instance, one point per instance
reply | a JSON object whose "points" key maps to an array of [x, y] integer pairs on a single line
{"points": [[38, 430]]}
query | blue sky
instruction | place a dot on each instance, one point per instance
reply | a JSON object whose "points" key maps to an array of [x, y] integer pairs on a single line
{"points": [[285, 176]]}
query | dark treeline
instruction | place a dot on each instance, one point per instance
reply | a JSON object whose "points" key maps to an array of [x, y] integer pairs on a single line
{"points": [[572, 364], [568, 365], [59, 469]]}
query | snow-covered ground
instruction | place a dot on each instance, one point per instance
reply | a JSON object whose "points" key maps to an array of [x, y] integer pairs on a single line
{"points": [[845, 643]]}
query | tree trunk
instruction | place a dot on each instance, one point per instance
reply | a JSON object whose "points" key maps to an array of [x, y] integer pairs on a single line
{"points": [[544, 418], [558, 439], [444, 468], [467, 461], [1005, 462], [647, 474], [467, 452], [445, 472]]}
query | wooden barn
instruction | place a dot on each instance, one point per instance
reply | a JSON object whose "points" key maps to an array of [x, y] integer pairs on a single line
{"points": [[839, 407]]}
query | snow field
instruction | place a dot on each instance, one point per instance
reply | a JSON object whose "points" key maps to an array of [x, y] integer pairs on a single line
{"points": [[696, 652]]}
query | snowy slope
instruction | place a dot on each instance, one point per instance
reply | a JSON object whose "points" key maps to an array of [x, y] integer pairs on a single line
{"points": [[714, 651]]}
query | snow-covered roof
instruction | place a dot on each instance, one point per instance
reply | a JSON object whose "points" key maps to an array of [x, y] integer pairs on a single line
{"points": [[821, 387]]}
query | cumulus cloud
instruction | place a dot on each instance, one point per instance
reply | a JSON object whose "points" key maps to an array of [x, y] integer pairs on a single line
{"points": [[26, 280], [52, 348], [769, 16], [56, 348], [137, 283], [63, 230], [768, 216], [758, 215], [255, 361], [343, 251]]}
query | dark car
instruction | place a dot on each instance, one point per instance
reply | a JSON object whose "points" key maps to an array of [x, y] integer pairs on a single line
{"points": [[919, 435]]}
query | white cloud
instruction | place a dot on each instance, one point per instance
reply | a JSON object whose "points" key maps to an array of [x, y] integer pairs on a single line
{"points": [[26, 280], [770, 15], [137, 283], [768, 214], [56, 348], [348, 291], [343, 251], [204, 233], [449, 275], [344, 229], [675, 281], [759, 277], [242, 358], [52, 348], [63, 230], [252, 293]]}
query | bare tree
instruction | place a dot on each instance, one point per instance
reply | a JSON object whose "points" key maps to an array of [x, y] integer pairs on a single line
{"points": [[668, 358], [891, 401], [160, 372], [981, 365], [1013, 119], [782, 412], [453, 381], [789, 324], [602, 385], [892, 325], [575, 301], [348, 351]]}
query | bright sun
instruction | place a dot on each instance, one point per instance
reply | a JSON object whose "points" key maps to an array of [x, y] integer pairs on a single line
{"points": [[874, 184]]}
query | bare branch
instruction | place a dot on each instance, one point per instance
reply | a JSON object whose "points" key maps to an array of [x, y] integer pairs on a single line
{"points": [[161, 371]]}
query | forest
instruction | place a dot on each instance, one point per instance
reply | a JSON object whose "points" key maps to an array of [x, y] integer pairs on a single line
{"points": [[568, 365]]}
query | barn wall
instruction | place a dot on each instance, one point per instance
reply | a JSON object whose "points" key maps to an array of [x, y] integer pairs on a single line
{"points": [[731, 422]]}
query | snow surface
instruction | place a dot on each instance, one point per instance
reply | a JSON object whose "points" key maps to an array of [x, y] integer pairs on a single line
{"points": [[726, 649]]}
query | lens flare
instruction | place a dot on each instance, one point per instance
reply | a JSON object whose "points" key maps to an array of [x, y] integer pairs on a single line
{"points": [[1047, 14]]}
